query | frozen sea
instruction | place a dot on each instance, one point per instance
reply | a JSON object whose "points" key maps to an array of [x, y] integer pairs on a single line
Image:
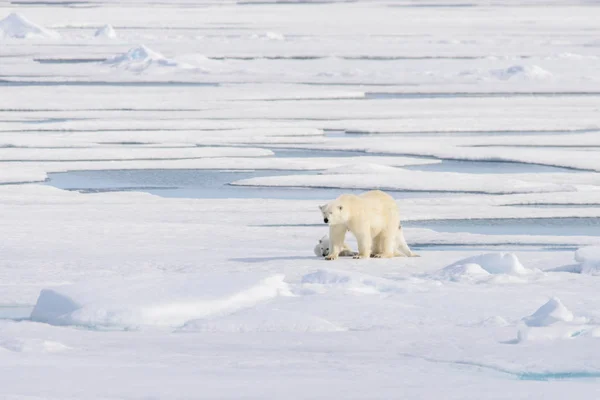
{"points": [[162, 164]]}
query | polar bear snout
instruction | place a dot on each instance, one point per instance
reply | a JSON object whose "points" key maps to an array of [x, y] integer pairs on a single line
{"points": [[326, 220]]}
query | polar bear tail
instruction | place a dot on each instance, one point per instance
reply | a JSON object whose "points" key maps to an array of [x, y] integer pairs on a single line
{"points": [[402, 246]]}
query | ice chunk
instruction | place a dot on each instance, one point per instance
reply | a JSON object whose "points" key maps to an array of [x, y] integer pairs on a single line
{"points": [[589, 260], [107, 31], [131, 304], [140, 58], [17, 26], [520, 72]]}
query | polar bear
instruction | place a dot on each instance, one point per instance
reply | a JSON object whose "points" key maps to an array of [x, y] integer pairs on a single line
{"points": [[323, 247], [401, 249], [372, 217]]}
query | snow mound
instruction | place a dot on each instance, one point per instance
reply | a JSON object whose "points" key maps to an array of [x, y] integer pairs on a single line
{"points": [[491, 322], [274, 36], [107, 32], [462, 272], [360, 168], [554, 321], [262, 319], [17, 26], [520, 72], [352, 281], [32, 346], [131, 304], [484, 265], [141, 58], [589, 260], [548, 314]]}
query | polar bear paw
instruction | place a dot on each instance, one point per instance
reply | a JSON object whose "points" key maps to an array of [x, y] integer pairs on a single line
{"points": [[356, 257], [382, 255], [331, 257]]}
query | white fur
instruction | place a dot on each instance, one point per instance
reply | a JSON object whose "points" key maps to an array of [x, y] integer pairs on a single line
{"points": [[401, 250], [373, 218], [322, 248]]}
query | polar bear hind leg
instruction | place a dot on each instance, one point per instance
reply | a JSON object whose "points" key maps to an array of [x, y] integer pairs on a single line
{"points": [[402, 249], [386, 241]]}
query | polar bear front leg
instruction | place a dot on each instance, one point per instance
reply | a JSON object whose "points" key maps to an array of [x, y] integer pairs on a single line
{"points": [[337, 234], [365, 243]]}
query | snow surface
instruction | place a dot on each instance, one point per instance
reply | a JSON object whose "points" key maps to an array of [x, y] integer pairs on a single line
{"points": [[478, 118]]}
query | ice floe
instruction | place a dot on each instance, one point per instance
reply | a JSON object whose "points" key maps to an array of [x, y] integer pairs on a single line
{"points": [[361, 168], [411, 181]]}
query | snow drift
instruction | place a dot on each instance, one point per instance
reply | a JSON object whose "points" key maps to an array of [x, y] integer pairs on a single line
{"points": [[131, 304], [270, 317], [554, 321], [326, 279], [483, 266], [17, 26]]}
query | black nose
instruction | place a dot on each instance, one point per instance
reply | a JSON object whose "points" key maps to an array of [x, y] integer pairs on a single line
{"points": [[325, 220]]}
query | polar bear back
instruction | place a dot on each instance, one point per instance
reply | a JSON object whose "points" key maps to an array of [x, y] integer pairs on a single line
{"points": [[375, 209], [380, 209]]}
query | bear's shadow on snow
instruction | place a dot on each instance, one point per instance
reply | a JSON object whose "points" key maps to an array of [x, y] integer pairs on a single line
{"points": [[265, 259]]}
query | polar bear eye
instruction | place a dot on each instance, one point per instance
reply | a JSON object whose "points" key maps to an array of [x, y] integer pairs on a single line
{"points": [[340, 207]]}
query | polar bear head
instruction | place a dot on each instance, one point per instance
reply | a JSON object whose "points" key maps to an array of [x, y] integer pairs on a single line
{"points": [[334, 213], [322, 248]]}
